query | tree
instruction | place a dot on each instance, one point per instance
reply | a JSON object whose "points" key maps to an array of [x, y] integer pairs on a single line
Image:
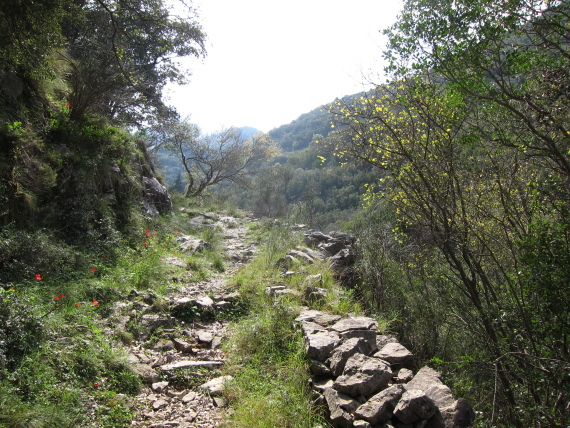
{"points": [[123, 52], [212, 159]]}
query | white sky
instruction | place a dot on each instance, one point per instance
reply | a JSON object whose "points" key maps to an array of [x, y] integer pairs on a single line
{"points": [[270, 61]]}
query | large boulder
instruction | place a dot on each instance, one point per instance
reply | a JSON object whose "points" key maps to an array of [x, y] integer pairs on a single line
{"points": [[363, 375], [346, 350], [380, 408], [156, 198], [414, 406], [341, 408], [320, 344], [395, 353]]}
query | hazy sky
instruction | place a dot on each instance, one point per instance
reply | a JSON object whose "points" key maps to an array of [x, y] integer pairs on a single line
{"points": [[270, 61]]}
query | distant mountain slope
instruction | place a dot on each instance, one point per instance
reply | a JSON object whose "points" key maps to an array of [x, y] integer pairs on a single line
{"points": [[298, 134]]}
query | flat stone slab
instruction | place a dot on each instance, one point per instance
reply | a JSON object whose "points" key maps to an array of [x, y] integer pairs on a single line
{"points": [[394, 353], [191, 363], [355, 323]]}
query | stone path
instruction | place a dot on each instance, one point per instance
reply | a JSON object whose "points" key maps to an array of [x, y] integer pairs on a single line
{"points": [[177, 358]]}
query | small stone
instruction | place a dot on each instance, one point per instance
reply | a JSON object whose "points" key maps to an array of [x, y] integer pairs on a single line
{"points": [[159, 387], [159, 404], [189, 396], [220, 402]]}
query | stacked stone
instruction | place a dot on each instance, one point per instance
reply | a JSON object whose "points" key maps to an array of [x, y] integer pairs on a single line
{"points": [[365, 379]]}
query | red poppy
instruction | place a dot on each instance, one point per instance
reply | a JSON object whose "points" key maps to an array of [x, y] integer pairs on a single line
{"points": [[175, 231], [95, 302], [154, 234], [147, 235], [62, 296], [145, 243], [68, 105], [78, 305], [56, 297], [38, 277], [13, 289], [147, 230], [96, 384], [93, 269]]}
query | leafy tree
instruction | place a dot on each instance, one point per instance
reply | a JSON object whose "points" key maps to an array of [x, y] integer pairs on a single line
{"points": [[123, 52]]}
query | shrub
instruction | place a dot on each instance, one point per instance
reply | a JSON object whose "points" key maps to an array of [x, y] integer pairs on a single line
{"points": [[20, 330]]}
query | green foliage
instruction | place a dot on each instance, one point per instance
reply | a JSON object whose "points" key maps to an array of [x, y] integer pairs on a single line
{"points": [[22, 330], [473, 134]]}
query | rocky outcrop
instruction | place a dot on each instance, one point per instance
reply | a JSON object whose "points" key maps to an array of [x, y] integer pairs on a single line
{"points": [[366, 379]]}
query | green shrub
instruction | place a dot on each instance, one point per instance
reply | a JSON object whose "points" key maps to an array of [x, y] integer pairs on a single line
{"points": [[21, 330]]}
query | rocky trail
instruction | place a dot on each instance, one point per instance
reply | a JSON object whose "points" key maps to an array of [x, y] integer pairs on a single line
{"points": [[177, 358], [360, 377]]}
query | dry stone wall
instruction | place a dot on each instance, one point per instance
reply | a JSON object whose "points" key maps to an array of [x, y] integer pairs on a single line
{"points": [[362, 378]]}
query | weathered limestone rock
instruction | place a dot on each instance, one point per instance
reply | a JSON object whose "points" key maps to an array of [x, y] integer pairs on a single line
{"points": [[459, 414], [346, 350], [404, 375], [341, 408], [380, 408], [366, 335], [216, 386], [363, 375], [395, 353], [318, 317], [452, 413], [361, 424], [301, 256], [355, 323], [414, 406], [320, 344], [319, 369], [146, 373], [310, 327], [156, 196], [159, 404], [159, 387], [190, 363], [182, 346]]}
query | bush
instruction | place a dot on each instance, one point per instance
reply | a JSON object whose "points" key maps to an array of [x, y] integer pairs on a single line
{"points": [[21, 331]]}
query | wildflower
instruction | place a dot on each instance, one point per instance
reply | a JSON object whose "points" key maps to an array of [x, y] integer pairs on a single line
{"points": [[58, 307], [38, 277], [78, 305], [68, 105], [95, 302], [96, 384], [104, 255], [93, 269], [147, 230], [154, 234], [12, 288], [145, 243], [147, 235], [62, 296], [176, 231], [56, 297]]}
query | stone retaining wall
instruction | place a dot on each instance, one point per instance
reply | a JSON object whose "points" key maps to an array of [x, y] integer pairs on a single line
{"points": [[365, 379]]}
